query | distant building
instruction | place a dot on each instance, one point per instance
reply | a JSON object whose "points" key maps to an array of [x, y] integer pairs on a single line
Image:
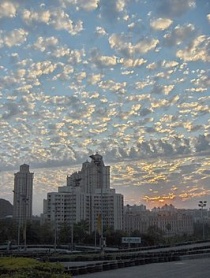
{"points": [[169, 219], [172, 222], [23, 194], [136, 219], [87, 196]]}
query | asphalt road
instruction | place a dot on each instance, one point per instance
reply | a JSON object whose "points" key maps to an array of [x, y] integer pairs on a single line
{"points": [[196, 268]]}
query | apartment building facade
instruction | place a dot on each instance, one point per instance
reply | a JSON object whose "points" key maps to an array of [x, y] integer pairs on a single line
{"points": [[86, 196], [170, 220]]}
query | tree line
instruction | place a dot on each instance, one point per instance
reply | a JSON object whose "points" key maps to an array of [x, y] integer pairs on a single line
{"points": [[37, 233]]}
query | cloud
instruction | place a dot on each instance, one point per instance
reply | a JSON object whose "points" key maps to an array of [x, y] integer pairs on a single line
{"points": [[102, 60], [30, 16], [132, 63], [61, 21], [169, 64], [87, 5], [7, 9], [44, 44], [111, 9], [56, 18], [100, 31], [179, 35], [175, 8], [197, 50], [128, 79], [120, 44], [15, 37], [162, 89], [161, 23]]}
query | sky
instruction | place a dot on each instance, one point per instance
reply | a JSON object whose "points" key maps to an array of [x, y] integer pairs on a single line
{"points": [[128, 79]]}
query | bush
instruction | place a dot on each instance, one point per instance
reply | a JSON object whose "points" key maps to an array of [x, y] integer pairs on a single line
{"points": [[27, 267]]}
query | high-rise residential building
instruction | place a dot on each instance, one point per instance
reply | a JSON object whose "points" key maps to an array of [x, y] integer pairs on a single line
{"points": [[23, 194], [87, 196]]}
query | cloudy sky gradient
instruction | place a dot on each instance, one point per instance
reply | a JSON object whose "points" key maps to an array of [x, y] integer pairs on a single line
{"points": [[127, 78]]}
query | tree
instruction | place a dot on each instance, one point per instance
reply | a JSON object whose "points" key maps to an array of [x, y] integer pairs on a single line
{"points": [[156, 234], [81, 230], [46, 234], [33, 232], [8, 230], [64, 234], [114, 238]]}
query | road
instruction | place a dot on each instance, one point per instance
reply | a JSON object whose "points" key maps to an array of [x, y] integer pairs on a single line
{"points": [[187, 269]]}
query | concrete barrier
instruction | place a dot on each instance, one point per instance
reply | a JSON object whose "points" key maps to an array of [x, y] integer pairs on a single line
{"points": [[91, 268], [113, 265], [82, 270], [73, 270], [106, 266], [120, 264], [99, 267]]}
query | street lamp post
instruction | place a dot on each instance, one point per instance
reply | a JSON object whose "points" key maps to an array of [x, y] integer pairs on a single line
{"points": [[25, 201], [202, 204], [129, 225], [22, 201], [17, 196], [77, 181]]}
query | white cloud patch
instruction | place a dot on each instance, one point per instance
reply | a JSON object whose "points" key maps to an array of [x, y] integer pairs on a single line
{"points": [[87, 5], [197, 50], [15, 37], [161, 23], [103, 61], [61, 21], [40, 68], [121, 44], [100, 31], [130, 63], [170, 64], [44, 43], [7, 9], [30, 16]]}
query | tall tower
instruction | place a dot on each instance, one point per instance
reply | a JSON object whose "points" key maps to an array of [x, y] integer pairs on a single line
{"points": [[23, 194]]}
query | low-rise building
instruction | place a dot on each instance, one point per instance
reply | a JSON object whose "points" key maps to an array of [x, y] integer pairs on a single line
{"points": [[171, 221]]}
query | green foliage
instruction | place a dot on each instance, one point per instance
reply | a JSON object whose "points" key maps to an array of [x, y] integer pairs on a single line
{"points": [[27, 267], [8, 230], [81, 230], [64, 234], [46, 235], [156, 235], [114, 238]]}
